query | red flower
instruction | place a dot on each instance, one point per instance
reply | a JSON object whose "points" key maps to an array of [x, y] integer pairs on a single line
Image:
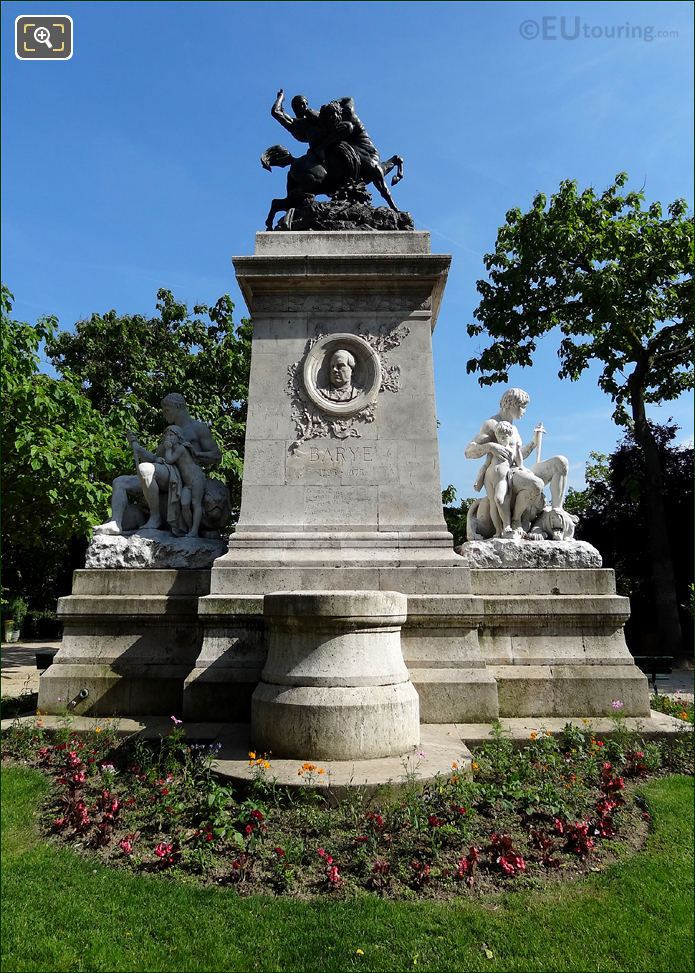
{"points": [[126, 846], [162, 850], [280, 852], [248, 829], [434, 821]]}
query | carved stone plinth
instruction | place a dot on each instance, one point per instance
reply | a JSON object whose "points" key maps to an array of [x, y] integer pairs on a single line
{"points": [[334, 685]]}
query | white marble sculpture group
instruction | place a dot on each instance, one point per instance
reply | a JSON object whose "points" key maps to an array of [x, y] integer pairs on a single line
{"points": [[515, 507]]}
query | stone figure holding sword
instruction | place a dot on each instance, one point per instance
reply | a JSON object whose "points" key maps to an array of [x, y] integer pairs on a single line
{"points": [[523, 487]]}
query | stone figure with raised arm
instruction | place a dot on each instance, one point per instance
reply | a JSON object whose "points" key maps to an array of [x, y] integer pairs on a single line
{"points": [[523, 486], [159, 479]]}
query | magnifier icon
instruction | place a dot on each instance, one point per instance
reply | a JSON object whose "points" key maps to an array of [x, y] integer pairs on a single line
{"points": [[42, 35]]}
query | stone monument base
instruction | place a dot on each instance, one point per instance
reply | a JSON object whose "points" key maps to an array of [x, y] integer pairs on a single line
{"points": [[130, 638], [334, 685], [478, 643]]}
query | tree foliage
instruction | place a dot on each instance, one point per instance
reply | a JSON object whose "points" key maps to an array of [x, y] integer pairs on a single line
{"points": [[59, 457], [612, 518], [63, 439], [615, 280], [614, 277], [126, 364]]}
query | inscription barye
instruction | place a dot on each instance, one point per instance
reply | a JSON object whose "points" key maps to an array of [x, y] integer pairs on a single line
{"points": [[335, 385], [341, 453]]}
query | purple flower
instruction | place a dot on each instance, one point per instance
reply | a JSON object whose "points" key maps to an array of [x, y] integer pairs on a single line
{"points": [[617, 704]]}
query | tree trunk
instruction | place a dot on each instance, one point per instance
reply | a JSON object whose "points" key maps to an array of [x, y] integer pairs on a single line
{"points": [[663, 576]]}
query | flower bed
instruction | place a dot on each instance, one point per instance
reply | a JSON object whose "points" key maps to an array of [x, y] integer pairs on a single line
{"points": [[555, 809]]}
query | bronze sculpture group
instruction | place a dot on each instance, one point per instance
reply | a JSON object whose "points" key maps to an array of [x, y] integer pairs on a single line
{"points": [[341, 161]]}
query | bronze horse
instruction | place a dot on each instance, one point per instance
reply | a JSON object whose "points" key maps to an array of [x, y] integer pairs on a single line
{"points": [[307, 176]]}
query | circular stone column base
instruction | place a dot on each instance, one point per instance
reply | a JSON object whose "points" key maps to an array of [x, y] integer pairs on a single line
{"points": [[335, 723]]}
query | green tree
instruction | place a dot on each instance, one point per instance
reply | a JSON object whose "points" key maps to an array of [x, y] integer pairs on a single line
{"points": [[616, 279], [126, 364], [59, 456], [612, 518]]}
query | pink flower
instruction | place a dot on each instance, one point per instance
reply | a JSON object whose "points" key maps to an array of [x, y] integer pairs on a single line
{"points": [[161, 850], [617, 704], [333, 875], [175, 721], [126, 846]]}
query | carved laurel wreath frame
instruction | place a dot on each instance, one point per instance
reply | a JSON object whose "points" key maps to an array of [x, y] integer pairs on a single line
{"points": [[316, 416]]}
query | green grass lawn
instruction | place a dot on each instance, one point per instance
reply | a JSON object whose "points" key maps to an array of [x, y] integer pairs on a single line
{"points": [[63, 912]]}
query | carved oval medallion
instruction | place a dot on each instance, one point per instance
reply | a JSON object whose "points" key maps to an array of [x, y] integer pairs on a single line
{"points": [[342, 374]]}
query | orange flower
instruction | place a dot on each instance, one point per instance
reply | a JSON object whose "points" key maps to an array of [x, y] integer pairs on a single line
{"points": [[533, 735]]}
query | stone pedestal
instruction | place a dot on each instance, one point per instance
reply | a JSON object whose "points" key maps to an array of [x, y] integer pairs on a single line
{"points": [[130, 638], [336, 494], [334, 686]]}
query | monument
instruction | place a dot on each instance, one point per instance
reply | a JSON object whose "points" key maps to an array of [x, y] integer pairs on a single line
{"points": [[341, 559]]}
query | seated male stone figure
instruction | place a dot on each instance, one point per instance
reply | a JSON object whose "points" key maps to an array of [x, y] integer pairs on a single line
{"points": [[340, 387], [525, 484], [159, 481]]}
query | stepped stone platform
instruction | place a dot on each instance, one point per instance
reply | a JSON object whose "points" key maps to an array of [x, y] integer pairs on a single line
{"points": [[441, 746]]}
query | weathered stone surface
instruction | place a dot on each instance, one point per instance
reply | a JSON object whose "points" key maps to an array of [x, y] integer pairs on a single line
{"points": [[498, 553], [331, 456], [153, 549], [334, 685], [326, 242], [130, 638]]}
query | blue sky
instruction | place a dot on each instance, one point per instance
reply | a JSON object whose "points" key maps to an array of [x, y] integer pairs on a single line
{"points": [[135, 164]]}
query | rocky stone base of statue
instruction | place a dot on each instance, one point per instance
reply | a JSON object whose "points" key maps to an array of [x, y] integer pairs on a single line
{"points": [[498, 553], [153, 549], [345, 215]]}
